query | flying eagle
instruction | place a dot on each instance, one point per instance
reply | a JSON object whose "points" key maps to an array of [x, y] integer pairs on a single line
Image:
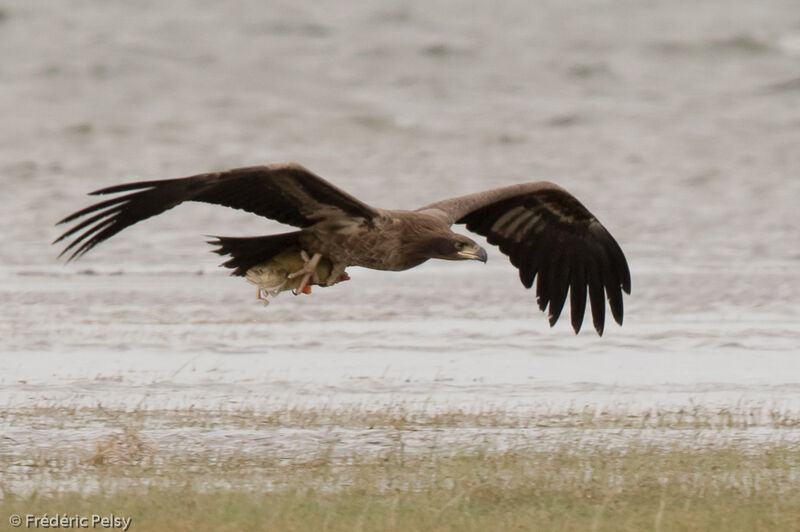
{"points": [[545, 231]]}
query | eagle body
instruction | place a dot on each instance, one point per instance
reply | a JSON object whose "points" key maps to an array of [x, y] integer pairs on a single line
{"points": [[548, 235], [393, 241]]}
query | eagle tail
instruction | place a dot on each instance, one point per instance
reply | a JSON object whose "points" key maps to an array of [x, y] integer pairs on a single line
{"points": [[247, 252]]}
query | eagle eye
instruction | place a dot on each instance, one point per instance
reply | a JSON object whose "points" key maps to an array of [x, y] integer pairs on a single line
{"points": [[459, 246]]}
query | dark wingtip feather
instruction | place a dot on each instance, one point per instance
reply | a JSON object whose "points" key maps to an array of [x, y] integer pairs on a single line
{"points": [[622, 269], [131, 186], [626, 280], [542, 297], [99, 216], [598, 320], [596, 298], [530, 264], [559, 285], [92, 208], [623, 272], [620, 264], [98, 228], [577, 298], [525, 279], [615, 302], [612, 285]]}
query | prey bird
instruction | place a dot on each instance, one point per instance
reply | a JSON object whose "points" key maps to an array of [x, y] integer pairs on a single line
{"points": [[545, 231]]}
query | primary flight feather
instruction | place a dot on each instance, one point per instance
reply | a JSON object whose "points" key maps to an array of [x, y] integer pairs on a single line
{"points": [[549, 236]]}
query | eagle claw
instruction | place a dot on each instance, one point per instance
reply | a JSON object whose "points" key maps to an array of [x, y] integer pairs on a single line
{"points": [[308, 269]]}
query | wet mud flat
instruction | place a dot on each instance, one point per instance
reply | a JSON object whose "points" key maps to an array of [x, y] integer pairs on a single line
{"points": [[162, 365]]}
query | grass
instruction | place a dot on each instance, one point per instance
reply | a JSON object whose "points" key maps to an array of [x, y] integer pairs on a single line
{"points": [[572, 485], [400, 416], [565, 489]]}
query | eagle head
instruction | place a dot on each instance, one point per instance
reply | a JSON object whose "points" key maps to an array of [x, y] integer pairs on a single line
{"points": [[456, 247]]}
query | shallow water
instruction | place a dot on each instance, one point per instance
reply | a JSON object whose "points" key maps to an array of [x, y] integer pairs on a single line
{"points": [[676, 124]]}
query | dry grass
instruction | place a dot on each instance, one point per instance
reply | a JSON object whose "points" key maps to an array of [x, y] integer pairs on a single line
{"points": [[573, 485], [401, 416], [126, 447]]}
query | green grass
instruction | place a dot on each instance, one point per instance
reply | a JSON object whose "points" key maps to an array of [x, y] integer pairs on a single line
{"points": [[576, 484], [475, 509]]}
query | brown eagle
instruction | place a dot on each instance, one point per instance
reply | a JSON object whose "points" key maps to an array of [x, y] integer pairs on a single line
{"points": [[547, 233]]}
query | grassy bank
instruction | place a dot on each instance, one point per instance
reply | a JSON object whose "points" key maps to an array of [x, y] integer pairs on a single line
{"points": [[571, 488], [397, 469]]}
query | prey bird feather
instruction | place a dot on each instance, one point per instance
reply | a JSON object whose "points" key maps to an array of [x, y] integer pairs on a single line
{"points": [[548, 235]]}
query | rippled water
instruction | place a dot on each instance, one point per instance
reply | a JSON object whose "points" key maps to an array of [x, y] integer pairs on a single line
{"points": [[677, 124]]}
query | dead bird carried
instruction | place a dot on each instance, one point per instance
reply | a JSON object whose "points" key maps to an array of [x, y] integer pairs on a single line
{"points": [[284, 271]]}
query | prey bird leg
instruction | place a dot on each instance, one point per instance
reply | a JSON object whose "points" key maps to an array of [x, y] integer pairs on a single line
{"points": [[275, 290], [260, 295], [264, 292], [309, 266]]}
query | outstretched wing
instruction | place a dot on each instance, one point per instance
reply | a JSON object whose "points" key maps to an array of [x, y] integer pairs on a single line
{"points": [[548, 235], [286, 192]]}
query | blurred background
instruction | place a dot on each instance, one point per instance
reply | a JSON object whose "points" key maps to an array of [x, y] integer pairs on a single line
{"points": [[676, 122]]}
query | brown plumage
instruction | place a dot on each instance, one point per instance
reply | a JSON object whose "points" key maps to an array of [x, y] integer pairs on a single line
{"points": [[547, 233]]}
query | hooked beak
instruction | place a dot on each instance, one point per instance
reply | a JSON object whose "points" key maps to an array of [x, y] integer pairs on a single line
{"points": [[476, 253]]}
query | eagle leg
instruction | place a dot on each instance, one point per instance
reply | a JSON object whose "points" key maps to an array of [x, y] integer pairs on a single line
{"points": [[308, 269], [337, 274]]}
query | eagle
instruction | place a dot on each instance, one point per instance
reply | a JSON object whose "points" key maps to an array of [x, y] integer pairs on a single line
{"points": [[548, 235]]}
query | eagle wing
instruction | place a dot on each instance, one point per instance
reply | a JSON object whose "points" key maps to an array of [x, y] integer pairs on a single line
{"points": [[548, 235], [287, 192]]}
